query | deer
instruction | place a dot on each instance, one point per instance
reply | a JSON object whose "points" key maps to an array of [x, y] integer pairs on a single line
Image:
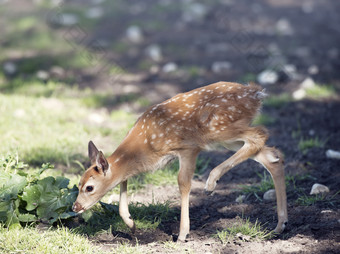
{"points": [[183, 126]]}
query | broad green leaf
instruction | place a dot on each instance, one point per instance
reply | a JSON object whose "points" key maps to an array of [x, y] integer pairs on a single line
{"points": [[31, 195], [11, 185], [61, 182], [27, 217]]}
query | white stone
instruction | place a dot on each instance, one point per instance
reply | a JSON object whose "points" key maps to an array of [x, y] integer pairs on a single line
{"points": [[267, 77], [332, 154], [269, 195], [318, 188], [154, 52], [10, 68], [307, 83], [94, 12], [221, 67], [43, 75], [134, 34], [19, 113], [313, 69], [68, 19], [284, 27], [240, 198], [169, 67], [299, 94], [96, 118]]}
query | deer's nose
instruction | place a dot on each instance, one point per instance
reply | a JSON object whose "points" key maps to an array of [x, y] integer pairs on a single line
{"points": [[77, 207]]}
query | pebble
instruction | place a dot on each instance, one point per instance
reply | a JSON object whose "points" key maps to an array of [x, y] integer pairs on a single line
{"points": [[318, 188], [134, 34], [194, 12], [96, 118], [301, 92], [68, 19], [169, 67], [332, 154], [284, 27], [269, 195], [94, 12], [313, 69], [267, 77], [221, 67], [10, 68], [290, 71], [240, 198], [154, 52], [43, 75]]}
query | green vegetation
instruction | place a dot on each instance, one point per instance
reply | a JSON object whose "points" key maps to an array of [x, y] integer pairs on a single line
{"points": [[308, 200], [306, 144], [320, 91], [278, 101], [244, 230], [29, 240], [263, 119], [26, 197]]}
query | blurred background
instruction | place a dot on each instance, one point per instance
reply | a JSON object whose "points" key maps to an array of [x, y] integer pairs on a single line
{"points": [[76, 70]]}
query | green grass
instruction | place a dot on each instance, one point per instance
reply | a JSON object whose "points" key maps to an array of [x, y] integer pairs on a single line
{"points": [[30, 240], [265, 184], [308, 200], [320, 91], [306, 144], [278, 101], [244, 230], [105, 217], [263, 119]]}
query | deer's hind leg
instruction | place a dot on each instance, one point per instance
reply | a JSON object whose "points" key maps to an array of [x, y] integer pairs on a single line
{"points": [[272, 160], [254, 139]]}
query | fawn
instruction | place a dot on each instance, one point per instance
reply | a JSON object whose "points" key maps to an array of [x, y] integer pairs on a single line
{"points": [[220, 113]]}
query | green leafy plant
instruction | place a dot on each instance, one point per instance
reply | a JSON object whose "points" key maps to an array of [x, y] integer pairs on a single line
{"points": [[308, 200], [26, 197]]}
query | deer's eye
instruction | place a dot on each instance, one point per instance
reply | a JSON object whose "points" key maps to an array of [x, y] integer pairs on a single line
{"points": [[89, 188]]}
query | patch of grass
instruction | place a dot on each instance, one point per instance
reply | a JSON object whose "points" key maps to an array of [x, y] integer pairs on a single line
{"points": [[49, 129], [248, 77], [308, 200], [263, 119], [146, 216], [265, 184], [306, 144], [54, 241], [278, 101], [320, 91], [244, 230]]}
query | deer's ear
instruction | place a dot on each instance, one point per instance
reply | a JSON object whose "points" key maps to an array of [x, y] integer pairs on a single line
{"points": [[102, 163], [93, 152]]}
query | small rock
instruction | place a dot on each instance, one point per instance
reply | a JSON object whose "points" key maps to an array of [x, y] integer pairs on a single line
{"points": [[290, 71], [269, 195], [154, 52], [10, 68], [301, 92], [57, 71], [220, 67], [169, 67], [43, 75], [68, 19], [194, 12], [311, 132], [332, 154], [284, 27], [318, 188], [267, 77], [307, 83], [94, 12], [240, 198], [134, 34], [313, 69]]}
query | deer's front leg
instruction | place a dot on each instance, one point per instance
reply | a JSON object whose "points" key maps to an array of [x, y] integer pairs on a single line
{"points": [[124, 208], [187, 168]]}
